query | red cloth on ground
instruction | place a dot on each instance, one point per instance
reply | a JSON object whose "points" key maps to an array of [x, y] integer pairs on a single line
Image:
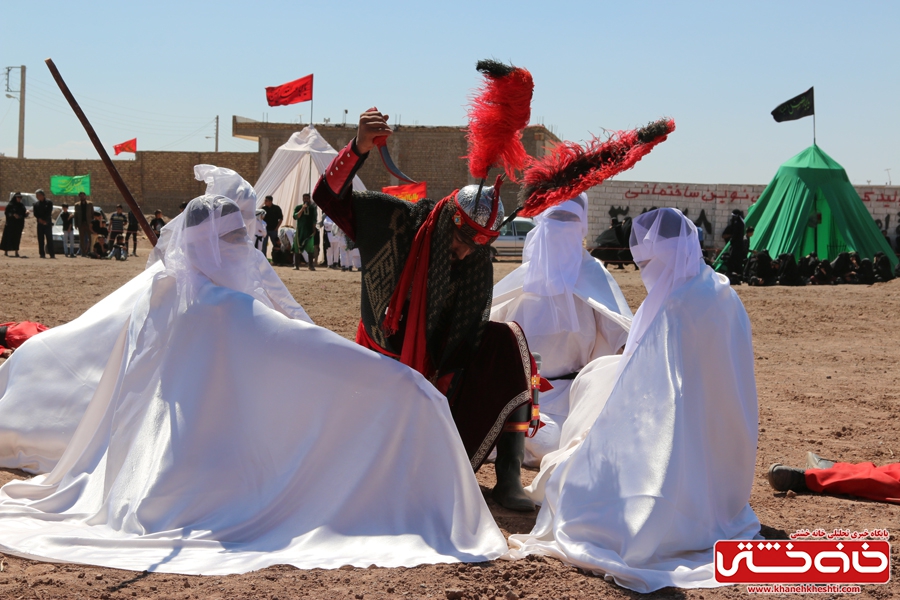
{"points": [[18, 333], [864, 480]]}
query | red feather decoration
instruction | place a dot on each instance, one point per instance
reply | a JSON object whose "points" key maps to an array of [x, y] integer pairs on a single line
{"points": [[571, 169], [497, 116]]}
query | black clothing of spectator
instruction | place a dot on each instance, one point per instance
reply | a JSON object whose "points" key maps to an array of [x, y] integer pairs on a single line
{"points": [[842, 268], [808, 265], [866, 274], [101, 250], [14, 213], [43, 214], [760, 270], [117, 222], [882, 266], [274, 214], [68, 221], [734, 233], [157, 224], [131, 232], [98, 228], [823, 274], [273, 218], [788, 272]]}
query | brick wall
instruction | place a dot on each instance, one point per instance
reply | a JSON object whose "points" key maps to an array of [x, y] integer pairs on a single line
{"points": [[157, 180], [714, 202]]}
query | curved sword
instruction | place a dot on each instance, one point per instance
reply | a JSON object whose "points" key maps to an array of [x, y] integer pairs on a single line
{"points": [[381, 145]]}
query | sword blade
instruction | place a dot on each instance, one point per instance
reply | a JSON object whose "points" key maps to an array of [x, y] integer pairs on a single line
{"points": [[381, 144]]}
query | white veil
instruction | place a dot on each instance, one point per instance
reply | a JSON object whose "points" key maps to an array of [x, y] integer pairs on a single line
{"points": [[212, 243], [553, 253], [664, 244], [219, 182], [229, 184], [225, 182]]}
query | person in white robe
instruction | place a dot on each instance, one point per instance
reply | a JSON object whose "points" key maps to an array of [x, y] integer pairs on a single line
{"points": [[569, 307], [183, 464], [260, 232], [665, 468], [350, 257], [46, 385]]}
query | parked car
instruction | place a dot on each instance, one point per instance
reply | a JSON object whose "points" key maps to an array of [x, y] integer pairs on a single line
{"points": [[28, 200], [57, 230], [512, 237]]}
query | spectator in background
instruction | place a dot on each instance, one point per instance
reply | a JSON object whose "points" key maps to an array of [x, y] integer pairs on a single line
{"points": [[259, 235], [734, 233], [100, 249], [117, 223], [305, 217], [68, 231], [43, 214], [15, 214], [157, 223], [97, 227], [274, 217], [282, 253], [181, 207], [131, 232], [83, 219], [326, 241], [331, 249], [119, 249]]}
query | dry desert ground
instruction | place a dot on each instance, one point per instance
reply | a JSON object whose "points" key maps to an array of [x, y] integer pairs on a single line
{"points": [[827, 376]]}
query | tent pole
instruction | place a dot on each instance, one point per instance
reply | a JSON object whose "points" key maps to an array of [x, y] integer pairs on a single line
{"points": [[814, 129], [309, 177]]}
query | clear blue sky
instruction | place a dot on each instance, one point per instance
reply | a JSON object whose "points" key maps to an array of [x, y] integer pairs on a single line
{"points": [[161, 71]]}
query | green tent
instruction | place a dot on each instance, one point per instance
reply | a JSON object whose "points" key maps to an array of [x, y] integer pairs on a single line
{"points": [[809, 206]]}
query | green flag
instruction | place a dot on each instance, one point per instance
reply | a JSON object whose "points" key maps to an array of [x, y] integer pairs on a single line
{"points": [[63, 185]]}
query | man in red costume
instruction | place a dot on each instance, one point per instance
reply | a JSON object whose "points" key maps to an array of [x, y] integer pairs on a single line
{"points": [[427, 280], [822, 476]]}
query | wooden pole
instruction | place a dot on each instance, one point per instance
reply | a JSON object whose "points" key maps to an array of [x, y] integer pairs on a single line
{"points": [[104, 156]]}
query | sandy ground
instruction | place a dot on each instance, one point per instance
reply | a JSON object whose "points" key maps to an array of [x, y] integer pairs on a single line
{"points": [[826, 369]]}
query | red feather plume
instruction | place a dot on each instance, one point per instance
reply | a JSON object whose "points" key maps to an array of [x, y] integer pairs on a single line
{"points": [[497, 116], [571, 169]]}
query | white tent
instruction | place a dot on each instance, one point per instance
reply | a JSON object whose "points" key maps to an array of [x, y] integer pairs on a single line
{"points": [[294, 170]]}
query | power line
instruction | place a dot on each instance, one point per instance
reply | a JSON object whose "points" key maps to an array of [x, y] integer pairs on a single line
{"points": [[196, 132], [50, 101], [81, 97]]}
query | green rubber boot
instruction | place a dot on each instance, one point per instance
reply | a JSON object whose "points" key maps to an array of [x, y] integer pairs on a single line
{"points": [[508, 492]]}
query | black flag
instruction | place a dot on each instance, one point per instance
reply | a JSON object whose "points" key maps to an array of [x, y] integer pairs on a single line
{"points": [[796, 108]]}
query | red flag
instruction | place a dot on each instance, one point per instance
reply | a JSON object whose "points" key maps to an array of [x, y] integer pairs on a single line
{"points": [[411, 193], [296, 91], [129, 146]]}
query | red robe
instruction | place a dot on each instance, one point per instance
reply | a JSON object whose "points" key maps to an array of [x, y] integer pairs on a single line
{"points": [[863, 480], [17, 334]]}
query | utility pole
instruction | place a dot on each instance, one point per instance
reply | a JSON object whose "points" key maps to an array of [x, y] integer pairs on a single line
{"points": [[22, 115], [21, 99], [217, 133]]}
